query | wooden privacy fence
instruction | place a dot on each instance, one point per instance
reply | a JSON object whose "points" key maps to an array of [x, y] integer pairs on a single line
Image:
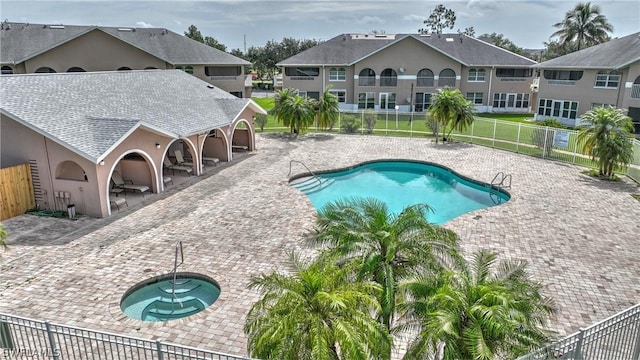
{"points": [[16, 191]]}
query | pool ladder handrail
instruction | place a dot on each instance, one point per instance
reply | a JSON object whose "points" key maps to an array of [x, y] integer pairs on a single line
{"points": [[502, 183], [306, 167], [175, 269]]}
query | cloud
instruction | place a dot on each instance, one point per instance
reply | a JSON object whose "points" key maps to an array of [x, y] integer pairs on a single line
{"points": [[365, 20], [177, 22], [143, 24], [481, 5], [414, 17]]}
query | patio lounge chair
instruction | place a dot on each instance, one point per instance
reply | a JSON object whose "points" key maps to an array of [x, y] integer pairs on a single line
{"points": [[169, 165], [180, 159], [120, 183]]}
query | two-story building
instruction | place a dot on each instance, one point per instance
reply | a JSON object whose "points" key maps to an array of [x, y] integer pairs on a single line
{"points": [[402, 71], [605, 74], [43, 48]]}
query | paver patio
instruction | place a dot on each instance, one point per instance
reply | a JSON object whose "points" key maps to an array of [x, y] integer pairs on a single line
{"points": [[581, 237]]}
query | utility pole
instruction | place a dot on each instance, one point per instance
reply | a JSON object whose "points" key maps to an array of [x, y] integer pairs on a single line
{"points": [[245, 44]]}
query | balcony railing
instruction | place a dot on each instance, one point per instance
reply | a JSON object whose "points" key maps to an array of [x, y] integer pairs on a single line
{"points": [[425, 82], [367, 81], [562, 82], [388, 81], [223, 77]]}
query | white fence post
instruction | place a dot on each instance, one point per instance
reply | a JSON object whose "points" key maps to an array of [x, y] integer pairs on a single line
{"points": [[544, 147], [473, 124], [493, 141], [518, 140]]}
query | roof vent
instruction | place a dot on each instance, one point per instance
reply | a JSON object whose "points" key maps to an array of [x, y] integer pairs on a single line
{"points": [[163, 32], [425, 35], [126, 29], [56, 26], [449, 39]]}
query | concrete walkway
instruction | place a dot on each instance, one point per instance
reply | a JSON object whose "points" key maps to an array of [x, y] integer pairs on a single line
{"points": [[581, 237]]}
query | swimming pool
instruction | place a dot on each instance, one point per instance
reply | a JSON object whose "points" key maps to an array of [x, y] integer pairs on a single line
{"points": [[159, 300], [401, 183]]}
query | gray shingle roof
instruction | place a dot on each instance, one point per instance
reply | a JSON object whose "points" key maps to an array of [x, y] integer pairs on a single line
{"points": [[614, 54], [347, 49], [90, 112], [19, 42]]}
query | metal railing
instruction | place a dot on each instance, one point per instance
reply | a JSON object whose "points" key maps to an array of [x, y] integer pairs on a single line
{"points": [[635, 91], [617, 337], [22, 337], [523, 138]]}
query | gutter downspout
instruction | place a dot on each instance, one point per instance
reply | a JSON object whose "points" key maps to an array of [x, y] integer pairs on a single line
{"points": [[490, 83]]}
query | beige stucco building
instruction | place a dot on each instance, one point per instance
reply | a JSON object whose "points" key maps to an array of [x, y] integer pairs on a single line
{"points": [[605, 74], [78, 129], [43, 48], [382, 71]]}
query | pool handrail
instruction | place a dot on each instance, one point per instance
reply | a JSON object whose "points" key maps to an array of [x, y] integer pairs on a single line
{"points": [[306, 167]]}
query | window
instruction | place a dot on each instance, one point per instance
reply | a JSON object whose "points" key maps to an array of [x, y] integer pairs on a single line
{"points": [[70, 170], [45, 70], [337, 74], [302, 72], [223, 71], [387, 101], [476, 75], [313, 95], [447, 78], [7, 70], [607, 80], [187, 68], [151, 68], [76, 69], [367, 77], [388, 77], [596, 105], [340, 94], [366, 100], [558, 108], [503, 100], [425, 78], [562, 75], [237, 94], [423, 101], [124, 68], [513, 73], [475, 98]]}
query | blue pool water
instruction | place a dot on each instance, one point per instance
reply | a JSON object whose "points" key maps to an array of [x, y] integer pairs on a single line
{"points": [[403, 183], [154, 301]]}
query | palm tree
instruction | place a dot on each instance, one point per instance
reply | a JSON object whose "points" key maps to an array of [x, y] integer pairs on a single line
{"points": [[300, 111], [328, 110], [281, 100], [585, 25], [605, 134], [315, 313], [449, 107], [3, 237], [382, 246], [475, 314]]}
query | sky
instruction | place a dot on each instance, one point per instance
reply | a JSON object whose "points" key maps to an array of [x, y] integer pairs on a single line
{"points": [[240, 24]]}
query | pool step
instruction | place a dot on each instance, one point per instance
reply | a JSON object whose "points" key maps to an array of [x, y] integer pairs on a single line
{"points": [[172, 310], [313, 185]]}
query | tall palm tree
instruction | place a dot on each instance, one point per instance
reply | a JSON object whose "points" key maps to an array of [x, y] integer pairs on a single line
{"points": [[605, 134], [316, 312], [300, 112], [328, 110], [585, 25], [450, 108], [280, 103], [481, 311], [382, 246]]}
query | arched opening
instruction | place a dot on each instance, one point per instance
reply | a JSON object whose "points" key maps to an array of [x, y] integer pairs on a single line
{"points": [[70, 170], [425, 78], [447, 77], [151, 68], [215, 148], [242, 137], [388, 77], [124, 68], [7, 70], [76, 69], [180, 159], [133, 174], [367, 77], [44, 70]]}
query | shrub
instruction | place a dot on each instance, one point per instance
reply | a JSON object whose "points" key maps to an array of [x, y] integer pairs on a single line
{"points": [[370, 118], [350, 124], [261, 120]]}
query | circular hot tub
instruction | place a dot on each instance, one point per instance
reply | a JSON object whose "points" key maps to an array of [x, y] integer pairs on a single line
{"points": [[162, 299]]}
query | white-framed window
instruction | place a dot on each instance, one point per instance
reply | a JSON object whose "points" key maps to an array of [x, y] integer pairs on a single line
{"points": [[337, 74], [340, 94], [476, 75], [423, 101], [425, 78], [186, 68], [511, 100], [7, 70], [607, 79], [302, 93], [475, 97], [366, 100], [367, 77], [558, 108], [387, 101], [388, 77], [447, 78], [596, 105]]}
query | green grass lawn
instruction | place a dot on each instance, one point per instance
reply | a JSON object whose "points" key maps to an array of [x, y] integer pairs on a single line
{"points": [[508, 117], [265, 103]]}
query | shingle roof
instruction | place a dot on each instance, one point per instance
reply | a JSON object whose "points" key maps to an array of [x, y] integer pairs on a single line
{"points": [[19, 42], [90, 112], [347, 49], [613, 54]]}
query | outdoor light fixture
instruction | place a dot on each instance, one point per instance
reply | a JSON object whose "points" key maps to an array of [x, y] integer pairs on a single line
{"points": [[102, 163], [157, 146]]}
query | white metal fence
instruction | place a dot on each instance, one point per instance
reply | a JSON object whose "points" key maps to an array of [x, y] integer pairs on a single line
{"points": [[617, 337], [523, 138], [27, 338]]}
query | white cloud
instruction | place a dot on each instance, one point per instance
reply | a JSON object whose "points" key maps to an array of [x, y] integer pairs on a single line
{"points": [[143, 24], [365, 20], [414, 17], [177, 22]]}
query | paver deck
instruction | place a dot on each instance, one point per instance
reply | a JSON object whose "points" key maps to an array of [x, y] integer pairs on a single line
{"points": [[581, 237]]}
